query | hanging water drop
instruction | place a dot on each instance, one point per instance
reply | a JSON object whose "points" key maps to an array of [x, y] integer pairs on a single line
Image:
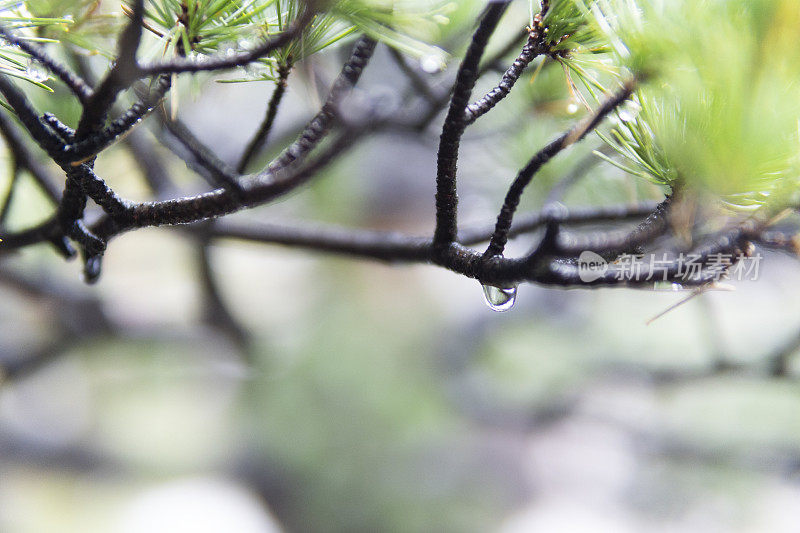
{"points": [[92, 268], [500, 298], [36, 71]]}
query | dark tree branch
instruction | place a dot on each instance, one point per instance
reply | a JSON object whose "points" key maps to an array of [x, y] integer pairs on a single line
{"points": [[553, 261], [504, 220], [26, 160], [395, 247], [320, 125], [612, 244], [217, 313], [260, 137], [119, 77], [96, 188], [442, 100], [455, 124], [64, 132], [533, 48], [218, 173], [177, 66], [29, 117], [255, 191], [95, 143]]}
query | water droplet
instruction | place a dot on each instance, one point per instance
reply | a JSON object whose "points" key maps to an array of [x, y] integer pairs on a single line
{"points": [[228, 49], [36, 71], [431, 63], [500, 298], [92, 268], [629, 111], [572, 108]]}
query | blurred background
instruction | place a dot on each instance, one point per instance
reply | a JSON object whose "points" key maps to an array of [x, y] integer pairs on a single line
{"points": [[345, 395]]}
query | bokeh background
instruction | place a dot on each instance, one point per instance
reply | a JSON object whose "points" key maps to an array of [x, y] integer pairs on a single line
{"points": [[375, 397]]}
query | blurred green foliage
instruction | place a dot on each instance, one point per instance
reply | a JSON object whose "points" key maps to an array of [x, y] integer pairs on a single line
{"points": [[720, 106]]}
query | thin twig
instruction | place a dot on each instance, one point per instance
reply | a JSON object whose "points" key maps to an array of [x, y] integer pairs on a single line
{"points": [[532, 49], [395, 247], [22, 155], [9, 196], [217, 171], [320, 125], [504, 220], [260, 137], [92, 144], [220, 63], [29, 117]]}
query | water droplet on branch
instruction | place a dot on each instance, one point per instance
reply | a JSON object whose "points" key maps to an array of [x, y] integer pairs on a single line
{"points": [[36, 71], [228, 49], [500, 298], [92, 268]]}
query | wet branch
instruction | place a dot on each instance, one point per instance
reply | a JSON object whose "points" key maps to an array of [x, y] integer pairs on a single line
{"points": [[327, 137], [506, 216], [260, 137], [454, 125]]}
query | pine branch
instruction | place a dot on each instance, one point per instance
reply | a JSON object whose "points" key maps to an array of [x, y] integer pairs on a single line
{"points": [[211, 167], [29, 117], [74, 82], [532, 49], [219, 63], [25, 159], [455, 124], [504, 220], [319, 126], [119, 77], [260, 137]]}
